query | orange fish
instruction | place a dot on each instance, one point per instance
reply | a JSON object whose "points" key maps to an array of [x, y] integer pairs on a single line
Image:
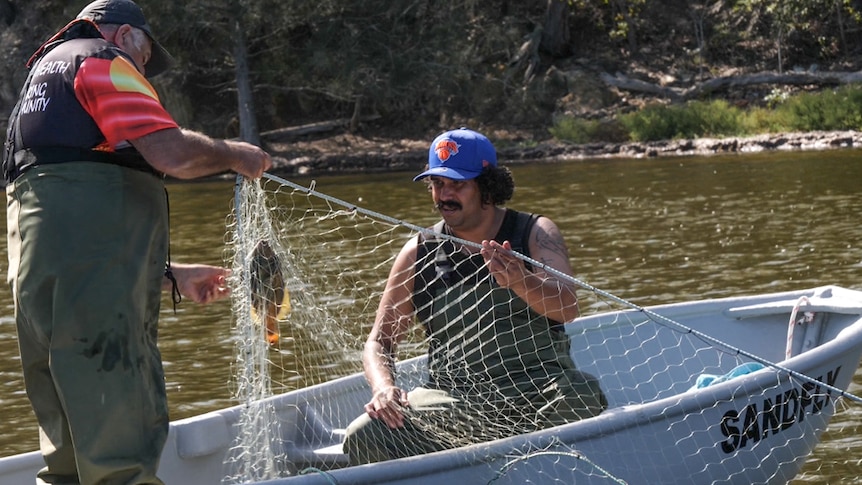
{"points": [[270, 300]]}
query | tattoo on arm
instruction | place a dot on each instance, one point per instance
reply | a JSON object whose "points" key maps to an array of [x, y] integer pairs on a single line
{"points": [[551, 241]]}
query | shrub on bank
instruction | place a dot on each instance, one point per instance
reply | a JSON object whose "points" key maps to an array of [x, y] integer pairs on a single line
{"points": [[578, 130], [691, 120], [832, 110], [829, 110]]}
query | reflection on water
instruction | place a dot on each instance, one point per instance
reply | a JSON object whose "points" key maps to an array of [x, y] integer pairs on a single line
{"points": [[649, 231]]}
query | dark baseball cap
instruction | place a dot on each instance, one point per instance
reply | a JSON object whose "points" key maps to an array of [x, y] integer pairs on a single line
{"points": [[128, 12]]}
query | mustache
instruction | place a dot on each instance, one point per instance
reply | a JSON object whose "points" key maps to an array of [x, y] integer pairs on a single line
{"points": [[448, 204]]}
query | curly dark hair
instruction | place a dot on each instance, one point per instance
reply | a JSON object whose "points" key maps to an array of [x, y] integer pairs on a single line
{"points": [[496, 185]]}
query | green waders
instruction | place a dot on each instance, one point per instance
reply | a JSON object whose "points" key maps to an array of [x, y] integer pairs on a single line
{"points": [[87, 249]]}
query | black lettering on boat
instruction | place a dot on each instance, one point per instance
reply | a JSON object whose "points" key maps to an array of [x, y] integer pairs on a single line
{"points": [[746, 426], [772, 416], [750, 426], [731, 432], [791, 407]]}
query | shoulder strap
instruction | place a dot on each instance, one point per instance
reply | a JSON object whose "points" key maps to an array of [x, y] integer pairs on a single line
{"points": [[76, 29], [519, 225]]}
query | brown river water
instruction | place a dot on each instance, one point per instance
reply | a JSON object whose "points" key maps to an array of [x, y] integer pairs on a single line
{"points": [[650, 231]]}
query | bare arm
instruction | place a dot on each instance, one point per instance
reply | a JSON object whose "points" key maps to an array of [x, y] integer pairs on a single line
{"points": [[544, 292], [393, 320], [187, 154]]}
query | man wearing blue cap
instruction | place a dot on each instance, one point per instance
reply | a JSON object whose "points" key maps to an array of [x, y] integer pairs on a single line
{"points": [[498, 358], [87, 148]]}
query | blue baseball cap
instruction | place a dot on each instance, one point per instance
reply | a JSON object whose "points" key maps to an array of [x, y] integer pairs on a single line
{"points": [[459, 154]]}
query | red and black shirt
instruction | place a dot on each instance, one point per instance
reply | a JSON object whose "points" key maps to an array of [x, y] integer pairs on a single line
{"points": [[83, 95]]}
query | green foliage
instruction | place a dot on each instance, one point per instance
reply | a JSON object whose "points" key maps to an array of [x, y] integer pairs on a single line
{"points": [[765, 120], [831, 110], [695, 119], [423, 64], [839, 109], [407, 60], [428, 64], [621, 19], [577, 130], [813, 24]]}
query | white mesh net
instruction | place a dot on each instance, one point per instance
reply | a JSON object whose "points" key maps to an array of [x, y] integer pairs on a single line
{"points": [[309, 271]]}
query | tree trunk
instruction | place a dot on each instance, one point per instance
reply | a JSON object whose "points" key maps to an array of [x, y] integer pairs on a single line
{"points": [[248, 130], [556, 38]]}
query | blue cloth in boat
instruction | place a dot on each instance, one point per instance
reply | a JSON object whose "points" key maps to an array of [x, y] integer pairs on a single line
{"points": [[705, 380]]}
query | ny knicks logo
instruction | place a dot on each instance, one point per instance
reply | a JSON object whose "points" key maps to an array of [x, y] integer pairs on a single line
{"points": [[445, 149]]}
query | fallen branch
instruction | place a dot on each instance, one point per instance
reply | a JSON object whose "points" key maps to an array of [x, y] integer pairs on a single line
{"points": [[311, 128], [676, 95]]}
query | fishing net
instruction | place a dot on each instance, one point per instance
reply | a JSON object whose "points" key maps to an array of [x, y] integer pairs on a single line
{"points": [[308, 272]]}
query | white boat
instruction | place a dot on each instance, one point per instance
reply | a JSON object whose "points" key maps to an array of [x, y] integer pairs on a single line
{"points": [[660, 427]]}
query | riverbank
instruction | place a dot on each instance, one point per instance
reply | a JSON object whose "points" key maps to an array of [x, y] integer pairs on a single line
{"points": [[367, 152]]}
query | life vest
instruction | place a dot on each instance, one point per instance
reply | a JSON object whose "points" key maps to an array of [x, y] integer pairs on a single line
{"points": [[48, 124]]}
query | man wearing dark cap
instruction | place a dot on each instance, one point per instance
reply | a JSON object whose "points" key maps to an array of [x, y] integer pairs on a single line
{"points": [[498, 358], [120, 12], [86, 152]]}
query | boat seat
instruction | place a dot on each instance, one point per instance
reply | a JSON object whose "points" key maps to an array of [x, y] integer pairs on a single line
{"points": [[312, 442], [308, 440]]}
